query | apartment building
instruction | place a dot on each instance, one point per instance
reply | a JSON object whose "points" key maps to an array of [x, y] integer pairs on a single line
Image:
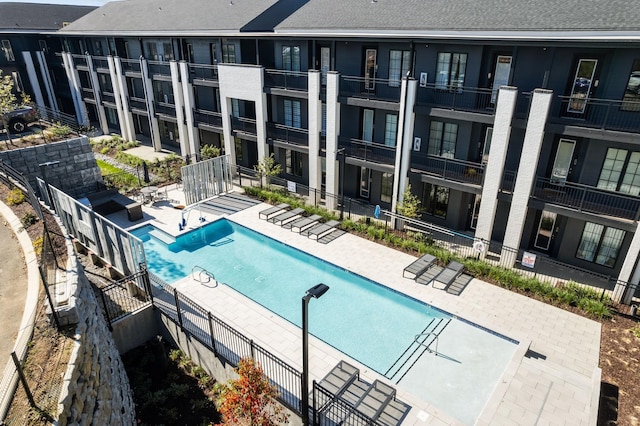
{"points": [[516, 122], [29, 49]]}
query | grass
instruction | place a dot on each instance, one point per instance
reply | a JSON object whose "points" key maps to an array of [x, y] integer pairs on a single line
{"points": [[118, 177]]}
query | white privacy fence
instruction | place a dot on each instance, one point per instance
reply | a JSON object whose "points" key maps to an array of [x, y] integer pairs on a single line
{"points": [[207, 178]]}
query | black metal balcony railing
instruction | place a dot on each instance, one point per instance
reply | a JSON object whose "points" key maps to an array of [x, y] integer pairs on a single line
{"points": [[79, 60], [159, 68], [448, 168], [137, 103], [165, 109], [100, 62], [131, 65], [203, 72], [605, 114], [88, 93], [288, 134], [587, 198], [108, 97], [370, 88], [291, 80], [209, 118], [368, 151], [460, 98], [244, 125], [508, 181]]}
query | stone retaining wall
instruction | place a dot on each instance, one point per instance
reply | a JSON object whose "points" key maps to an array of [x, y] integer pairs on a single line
{"points": [[76, 173], [96, 388]]}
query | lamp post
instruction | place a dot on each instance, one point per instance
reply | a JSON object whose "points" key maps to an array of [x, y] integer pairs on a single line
{"points": [[316, 292], [341, 152]]}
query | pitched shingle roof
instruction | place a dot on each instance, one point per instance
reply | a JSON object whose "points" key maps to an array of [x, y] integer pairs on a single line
{"points": [[185, 16], [461, 16], [19, 17]]}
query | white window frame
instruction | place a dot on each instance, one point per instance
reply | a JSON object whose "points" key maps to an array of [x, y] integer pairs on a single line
{"points": [[390, 129], [291, 57], [399, 66], [451, 70], [292, 114]]}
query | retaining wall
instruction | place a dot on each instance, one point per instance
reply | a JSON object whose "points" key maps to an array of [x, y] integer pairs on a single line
{"points": [[76, 172]]}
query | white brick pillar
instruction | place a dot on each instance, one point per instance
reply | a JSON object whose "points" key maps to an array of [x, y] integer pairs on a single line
{"points": [[176, 88], [315, 127], [526, 176], [495, 165], [333, 130], [33, 78], [97, 95], [46, 80], [625, 278], [149, 98], [117, 95], [404, 141], [261, 126], [120, 82], [189, 105], [76, 89]]}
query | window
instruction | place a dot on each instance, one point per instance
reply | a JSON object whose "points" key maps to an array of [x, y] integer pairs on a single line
{"points": [[435, 200], [105, 83], [214, 53], [631, 99], [229, 53], [17, 82], [325, 63], [390, 129], [293, 162], [442, 139], [621, 172], [168, 52], [238, 146], [292, 113], [8, 51], [97, 48], [43, 46], [600, 244], [235, 107], [399, 65], [323, 130], [450, 71], [386, 188], [291, 58], [152, 51]]}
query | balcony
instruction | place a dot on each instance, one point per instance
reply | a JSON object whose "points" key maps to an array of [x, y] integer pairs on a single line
{"points": [[203, 73], [368, 151], [137, 104], [208, 118], [587, 199], [370, 88], [287, 134], [108, 97], [87, 94], [470, 99], [448, 168], [602, 114], [100, 63], [166, 109], [131, 66], [508, 181], [288, 80], [159, 69], [244, 125], [80, 62]]}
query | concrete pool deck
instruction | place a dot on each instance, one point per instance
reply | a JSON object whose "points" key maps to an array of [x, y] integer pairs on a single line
{"points": [[558, 382]]}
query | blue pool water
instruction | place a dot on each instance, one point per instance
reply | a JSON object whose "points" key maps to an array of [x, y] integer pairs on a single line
{"points": [[365, 320]]}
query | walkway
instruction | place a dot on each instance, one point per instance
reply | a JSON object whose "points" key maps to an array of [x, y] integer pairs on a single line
{"points": [[553, 378]]}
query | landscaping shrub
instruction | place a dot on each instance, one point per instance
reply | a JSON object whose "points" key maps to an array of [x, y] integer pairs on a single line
{"points": [[28, 219], [15, 197]]}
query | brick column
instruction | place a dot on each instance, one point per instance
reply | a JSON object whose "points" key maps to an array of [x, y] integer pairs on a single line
{"points": [[315, 127], [333, 130]]}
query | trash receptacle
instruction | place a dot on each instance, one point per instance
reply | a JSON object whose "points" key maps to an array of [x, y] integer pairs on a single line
{"points": [[633, 309]]}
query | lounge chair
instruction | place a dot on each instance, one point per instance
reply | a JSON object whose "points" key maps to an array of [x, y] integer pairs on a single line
{"points": [[339, 378], [287, 216], [324, 228], [302, 223], [420, 266], [375, 400], [272, 211], [449, 274]]}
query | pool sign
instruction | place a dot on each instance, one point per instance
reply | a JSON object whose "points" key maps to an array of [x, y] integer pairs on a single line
{"points": [[528, 259], [291, 186], [478, 246]]}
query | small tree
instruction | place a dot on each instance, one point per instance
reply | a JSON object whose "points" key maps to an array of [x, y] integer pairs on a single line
{"points": [[410, 205], [8, 102], [209, 151], [249, 399], [266, 168]]}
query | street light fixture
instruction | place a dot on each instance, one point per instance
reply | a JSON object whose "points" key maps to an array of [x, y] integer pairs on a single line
{"points": [[316, 292]]}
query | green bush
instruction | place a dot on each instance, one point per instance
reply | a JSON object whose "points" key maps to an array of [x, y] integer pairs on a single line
{"points": [[128, 159], [28, 219]]}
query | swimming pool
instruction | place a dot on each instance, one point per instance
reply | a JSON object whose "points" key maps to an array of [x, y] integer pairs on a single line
{"points": [[367, 321]]}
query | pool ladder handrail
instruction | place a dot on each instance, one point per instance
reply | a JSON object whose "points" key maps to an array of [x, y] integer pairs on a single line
{"points": [[202, 271], [435, 335]]}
